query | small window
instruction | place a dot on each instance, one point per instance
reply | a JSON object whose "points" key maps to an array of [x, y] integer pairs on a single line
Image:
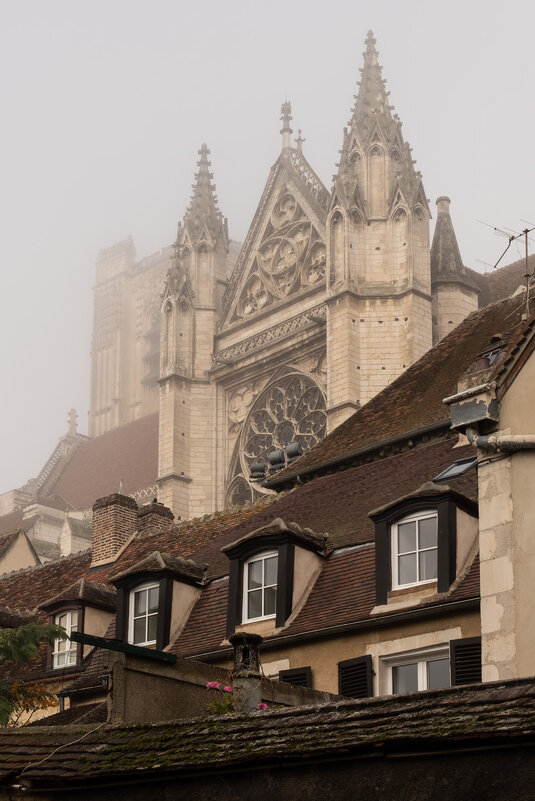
{"points": [[419, 670], [260, 587], [65, 652], [143, 617], [414, 550]]}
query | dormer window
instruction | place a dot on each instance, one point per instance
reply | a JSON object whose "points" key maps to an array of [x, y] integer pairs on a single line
{"points": [[261, 573], [414, 550], [65, 652], [143, 623], [153, 598], [260, 587], [416, 541]]}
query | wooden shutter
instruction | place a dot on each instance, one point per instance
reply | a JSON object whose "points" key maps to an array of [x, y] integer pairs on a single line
{"points": [[355, 679], [301, 677], [465, 656]]}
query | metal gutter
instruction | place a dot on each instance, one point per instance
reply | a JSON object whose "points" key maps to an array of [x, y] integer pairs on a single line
{"points": [[275, 482]]}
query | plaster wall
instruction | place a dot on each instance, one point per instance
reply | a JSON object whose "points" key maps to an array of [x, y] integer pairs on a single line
{"points": [[18, 556]]}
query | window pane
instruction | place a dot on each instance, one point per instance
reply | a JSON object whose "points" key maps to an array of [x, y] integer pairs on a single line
{"points": [[407, 569], [74, 620], [61, 645], [438, 674], [153, 599], [153, 622], [255, 574], [254, 604], [61, 620], [271, 570], [60, 660], [405, 678], [140, 603], [428, 565], [139, 630], [71, 657], [407, 537], [427, 533], [270, 600]]}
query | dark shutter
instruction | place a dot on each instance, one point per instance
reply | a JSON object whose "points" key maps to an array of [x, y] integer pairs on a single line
{"points": [[121, 616], [383, 569], [465, 656], [301, 677], [355, 678]]}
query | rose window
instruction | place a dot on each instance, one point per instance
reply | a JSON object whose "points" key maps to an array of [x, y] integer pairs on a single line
{"points": [[291, 411]]}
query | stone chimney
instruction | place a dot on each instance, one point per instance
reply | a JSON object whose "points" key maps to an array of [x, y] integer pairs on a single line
{"points": [[246, 673], [114, 522], [154, 517]]}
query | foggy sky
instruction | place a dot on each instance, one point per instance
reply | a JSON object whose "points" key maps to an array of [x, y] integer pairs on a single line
{"points": [[105, 105]]}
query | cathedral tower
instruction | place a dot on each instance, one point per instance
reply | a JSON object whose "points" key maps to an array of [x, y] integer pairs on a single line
{"points": [[379, 319], [190, 308]]}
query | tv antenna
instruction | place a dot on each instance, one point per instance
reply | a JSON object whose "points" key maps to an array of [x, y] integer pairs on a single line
{"points": [[512, 237]]}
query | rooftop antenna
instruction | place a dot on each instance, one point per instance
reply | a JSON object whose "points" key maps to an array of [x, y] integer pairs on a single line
{"points": [[512, 238]]}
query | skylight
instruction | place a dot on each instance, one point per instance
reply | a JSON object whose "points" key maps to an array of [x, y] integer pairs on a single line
{"points": [[458, 468]]}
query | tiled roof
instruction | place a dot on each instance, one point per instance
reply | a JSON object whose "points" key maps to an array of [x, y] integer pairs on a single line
{"points": [[343, 594], [469, 716], [338, 504], [502, 282], [126, 456], [88, 713], [156, 562], [84, 590], [415, 399]]}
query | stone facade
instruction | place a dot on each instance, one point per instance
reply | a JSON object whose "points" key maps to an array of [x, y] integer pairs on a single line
{"points": [[330, 299]]}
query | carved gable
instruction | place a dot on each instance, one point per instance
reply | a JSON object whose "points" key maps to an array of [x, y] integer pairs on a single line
{"points": [[284, 253]]}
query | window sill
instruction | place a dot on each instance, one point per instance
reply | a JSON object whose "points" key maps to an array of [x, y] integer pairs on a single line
{"points": [[423, 590]]}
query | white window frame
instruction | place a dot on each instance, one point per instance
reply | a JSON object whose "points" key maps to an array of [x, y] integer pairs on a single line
{"points": [[150, 585], [245, 591], [419, 656], [394, 548], [70, 649]]}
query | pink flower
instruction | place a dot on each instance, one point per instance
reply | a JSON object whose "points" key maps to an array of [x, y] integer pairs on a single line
{"points": [[227, 689], [212, 685], [262, 706]]}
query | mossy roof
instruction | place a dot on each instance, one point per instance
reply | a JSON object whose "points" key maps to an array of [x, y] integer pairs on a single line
{"points": [[470, 716]]}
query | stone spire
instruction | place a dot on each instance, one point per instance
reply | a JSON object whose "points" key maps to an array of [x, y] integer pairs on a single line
{"points": [[446, 262], [372, 99], [375, 132], [203, 210]]}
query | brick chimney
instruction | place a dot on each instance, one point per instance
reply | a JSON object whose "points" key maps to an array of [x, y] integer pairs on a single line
{"points": [[154, 517], [114, 522]]}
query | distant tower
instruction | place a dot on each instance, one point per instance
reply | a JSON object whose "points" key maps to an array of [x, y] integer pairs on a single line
{"points": [[379, 319], [111, 374], [455, 293], [190, 309]]}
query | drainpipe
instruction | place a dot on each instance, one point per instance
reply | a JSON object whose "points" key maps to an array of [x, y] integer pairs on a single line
{"points": [[500, 443]]}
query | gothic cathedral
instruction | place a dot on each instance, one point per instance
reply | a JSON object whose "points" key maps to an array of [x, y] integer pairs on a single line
{"points": [[331, 296]]}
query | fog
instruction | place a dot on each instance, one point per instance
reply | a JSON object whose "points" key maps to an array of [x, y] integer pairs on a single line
{"points": [[105, 104]]}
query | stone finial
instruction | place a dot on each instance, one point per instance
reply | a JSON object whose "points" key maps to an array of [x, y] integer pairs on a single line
{"points": [[299, 141], [286, 131], [72, 416]]}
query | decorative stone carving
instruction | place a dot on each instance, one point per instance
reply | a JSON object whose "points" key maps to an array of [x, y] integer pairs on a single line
{"points": [[306, 320], [292, 409], [290, 256]]}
